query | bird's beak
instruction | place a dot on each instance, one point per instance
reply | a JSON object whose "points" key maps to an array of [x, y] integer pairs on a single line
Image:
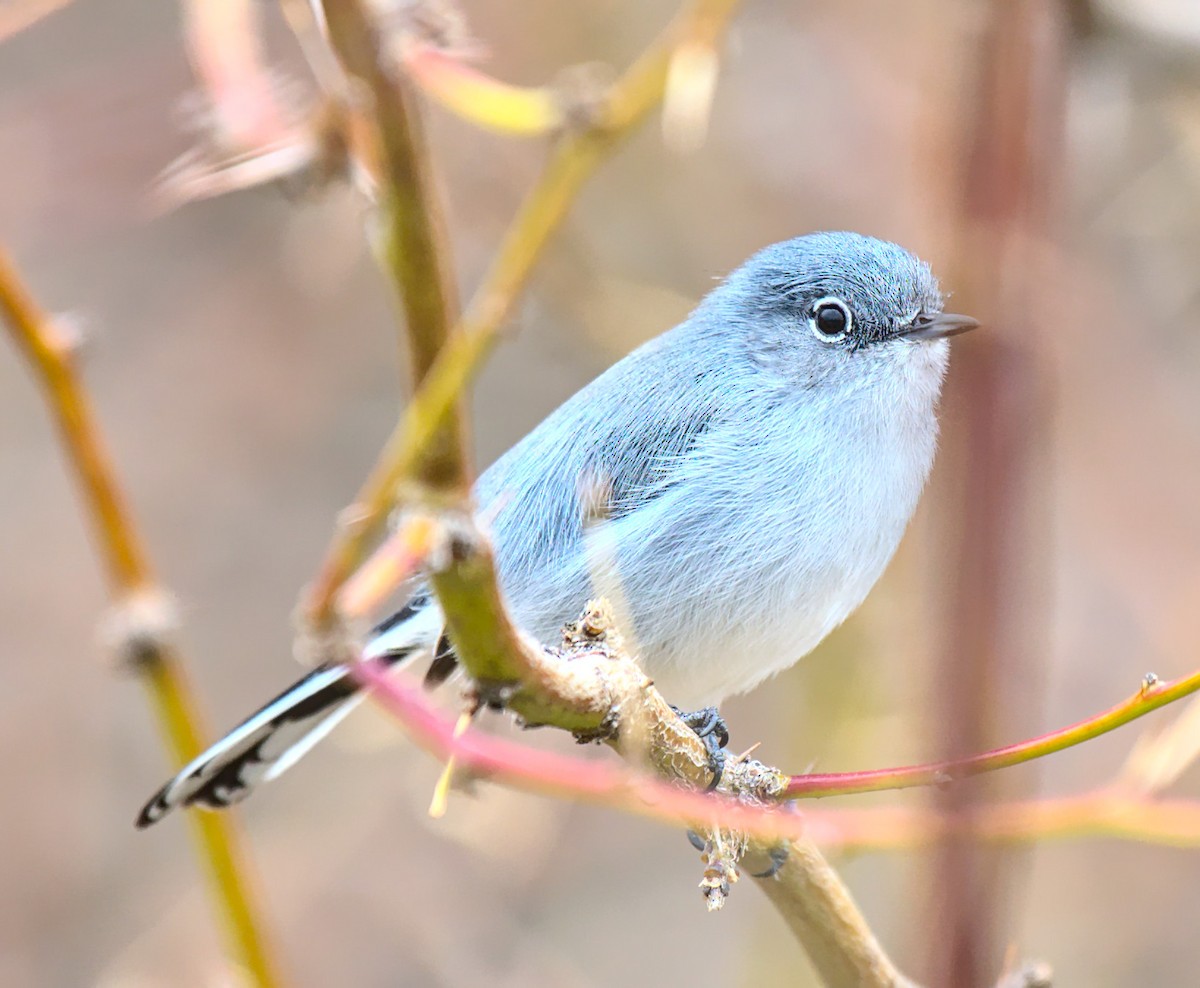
{"points": [[938, 327]]}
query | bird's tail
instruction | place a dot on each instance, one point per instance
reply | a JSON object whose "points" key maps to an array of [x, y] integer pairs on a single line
{"points": [[268, 742]]}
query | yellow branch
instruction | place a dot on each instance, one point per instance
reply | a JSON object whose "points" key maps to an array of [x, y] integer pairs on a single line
{"points": [[1153, 694], [414, 236], [477, 97], [139, 606]]}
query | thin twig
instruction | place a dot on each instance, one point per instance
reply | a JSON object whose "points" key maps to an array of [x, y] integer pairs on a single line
{"points": [[1153, 694], [413, 229], [484, 101], [139, 606]]}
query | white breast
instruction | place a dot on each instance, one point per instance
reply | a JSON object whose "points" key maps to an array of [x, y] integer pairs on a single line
{"points": [[797, 551]]}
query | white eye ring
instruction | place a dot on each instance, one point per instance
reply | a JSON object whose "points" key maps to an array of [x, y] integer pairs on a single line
{"points": [[827, 306]]}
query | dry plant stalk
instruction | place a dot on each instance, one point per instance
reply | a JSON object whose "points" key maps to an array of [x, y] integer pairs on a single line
{"points": [[817, 908], [141, 620]]}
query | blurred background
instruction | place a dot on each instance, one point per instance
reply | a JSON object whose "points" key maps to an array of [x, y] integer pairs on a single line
{"points": [[242, 351]]}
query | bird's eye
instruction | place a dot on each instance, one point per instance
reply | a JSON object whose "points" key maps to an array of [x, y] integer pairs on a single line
{"points": [[830, 320]]}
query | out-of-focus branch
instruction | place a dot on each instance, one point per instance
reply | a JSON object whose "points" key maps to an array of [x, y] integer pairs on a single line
{"points": [[141, 611], [17, 15], [250, 135], [612, 117], [477, 97], [1110, 812], [993, 524], [49, 351], [413, 230], [1153, 695], [225, 49], [818, 909], [399, 558]]}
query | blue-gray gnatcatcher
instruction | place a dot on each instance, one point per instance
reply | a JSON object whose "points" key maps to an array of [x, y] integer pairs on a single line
{"points": [[757, 466]]}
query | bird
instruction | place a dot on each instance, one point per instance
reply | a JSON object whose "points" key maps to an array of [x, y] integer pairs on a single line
{"points": [[755, 468]]}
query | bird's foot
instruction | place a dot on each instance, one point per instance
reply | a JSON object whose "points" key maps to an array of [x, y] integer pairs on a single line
{"points": [[709, 727], [777, 856]]}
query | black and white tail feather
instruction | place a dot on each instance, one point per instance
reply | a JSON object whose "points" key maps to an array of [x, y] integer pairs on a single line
{"points": [[273, 739]]}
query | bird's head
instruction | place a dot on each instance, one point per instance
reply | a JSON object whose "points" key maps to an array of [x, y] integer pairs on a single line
{"points": [[840, 307]]}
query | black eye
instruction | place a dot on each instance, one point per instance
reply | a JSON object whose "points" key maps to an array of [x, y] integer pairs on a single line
{"points": [[831, 320]]}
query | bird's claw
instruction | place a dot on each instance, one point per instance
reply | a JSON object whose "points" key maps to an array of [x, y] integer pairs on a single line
{"points": [[778, 856], [709, 726]]}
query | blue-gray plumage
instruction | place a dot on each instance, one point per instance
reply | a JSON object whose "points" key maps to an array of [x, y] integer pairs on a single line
{"points": [[754, 469]]}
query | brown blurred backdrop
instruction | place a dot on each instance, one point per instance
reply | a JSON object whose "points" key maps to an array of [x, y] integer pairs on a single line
{"points": [[243, 358]]}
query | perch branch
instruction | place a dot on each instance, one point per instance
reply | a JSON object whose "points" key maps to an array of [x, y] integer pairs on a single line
{"points": [[551, 774], [405, 552], [807, 891], [1113, 811], [141, 609]]}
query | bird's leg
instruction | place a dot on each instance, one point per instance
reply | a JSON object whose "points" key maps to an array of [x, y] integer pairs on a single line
{"points": [[709, 727]]}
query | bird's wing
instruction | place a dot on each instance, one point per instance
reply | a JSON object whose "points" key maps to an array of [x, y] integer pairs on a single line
{"points": [[615, 450]]}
